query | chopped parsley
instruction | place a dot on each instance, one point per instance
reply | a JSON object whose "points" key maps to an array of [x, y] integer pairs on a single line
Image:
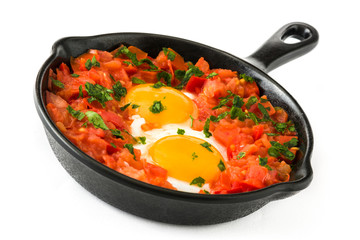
{"points": [[281, 127], [152, 66], [263, 162], [98, 93], [240, 155], [135, 106], [132, 56], [272, 134], [179, 74], [142, 140], [170, 54], [251, 101], [166, 76], [192, 71], [130, 147], [113, 145], [92, 63], [157, 107], [76, 114], [213, 74], [57, 83], [192, 121], [292, 143], [237, 112], [221, 166], [246, 78], [180, 131], [137, 80], [207, 146], [238, 101], [117, 133], [253, 117], [280, 149], [194, 156], [224, 101], [158, 85], [96, 120], [81, 92], [264, 112], [123, 108], [75, 75], [218, 118], [206, 128], [199, 181], [119, 91]]}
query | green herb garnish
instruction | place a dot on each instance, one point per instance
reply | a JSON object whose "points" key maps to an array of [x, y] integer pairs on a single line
{"points": [[281, 127], [192, 71], [137, 80], [240, 155], [192, 121], [76, 114], [157, 107], [75, 75], [180, 131], [179, 74], [263, 162], [166, 76], [57, 83], [194, 156], [251, 101], [292, 143], [158, 85], [199, 181], [213, 74], [246, 78], [219, 117], [98, 93], [92, 63], [123, 108], [170, 54], [117, 133], [81, 91], [142, 140], [135, 106], [221, 166], [206, 128], [119, 91], [282, 149], [207, 146], [130, 147], [96, 120], [113, 145]]}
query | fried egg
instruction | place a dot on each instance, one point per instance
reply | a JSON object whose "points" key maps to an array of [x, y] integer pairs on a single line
{"points": [[178, 106], [185, 157]]}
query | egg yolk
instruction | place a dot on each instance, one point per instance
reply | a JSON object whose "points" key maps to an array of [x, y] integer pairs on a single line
{"points": [[175, 106], [185, 158]]}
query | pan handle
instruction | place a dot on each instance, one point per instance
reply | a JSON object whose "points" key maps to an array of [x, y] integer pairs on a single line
{"points": [[275, 51]]}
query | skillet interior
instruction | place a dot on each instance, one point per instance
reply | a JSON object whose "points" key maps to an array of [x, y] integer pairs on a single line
{"points": [[74, 46]]}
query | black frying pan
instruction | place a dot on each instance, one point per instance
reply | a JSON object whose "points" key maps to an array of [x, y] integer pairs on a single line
{"points": [[171, 206]]}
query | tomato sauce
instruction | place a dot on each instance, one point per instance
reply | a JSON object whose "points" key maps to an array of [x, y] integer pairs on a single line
{"points": [[83, 100]]}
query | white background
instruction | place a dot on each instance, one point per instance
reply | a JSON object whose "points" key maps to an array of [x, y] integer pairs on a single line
{"points": [[39, 200]]}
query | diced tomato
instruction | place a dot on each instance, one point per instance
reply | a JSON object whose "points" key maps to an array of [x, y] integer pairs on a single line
{"points": [[203, 65], [195, 84], [258, 131]]}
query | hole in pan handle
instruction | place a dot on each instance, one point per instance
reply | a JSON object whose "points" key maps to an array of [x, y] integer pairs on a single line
{"points": [[277, 50]]}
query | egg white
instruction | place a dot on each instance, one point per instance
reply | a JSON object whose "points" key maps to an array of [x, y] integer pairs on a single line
{"points": [[168, 130]]}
